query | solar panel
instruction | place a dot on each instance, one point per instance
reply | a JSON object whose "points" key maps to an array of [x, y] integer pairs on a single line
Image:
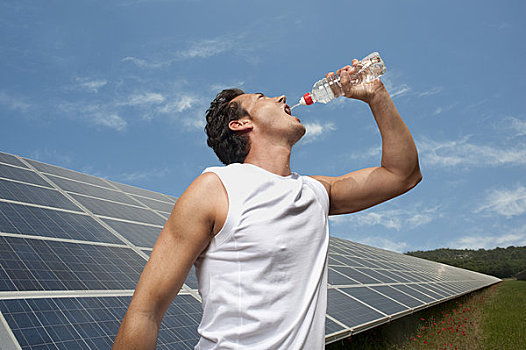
{"points": [[10, 159], [162, 206], [23, 219], [93, 322], [91, 190], [22, 175], [35, 195], [106, 208], [72, 247], [36, 264], [139, 234]]}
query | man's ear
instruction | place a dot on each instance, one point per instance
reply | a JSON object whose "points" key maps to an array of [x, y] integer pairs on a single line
{"points": [[242, 124]]}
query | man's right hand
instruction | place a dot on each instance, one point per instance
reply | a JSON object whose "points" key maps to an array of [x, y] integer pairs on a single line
{"points": [[196, 217], [365, 91]]}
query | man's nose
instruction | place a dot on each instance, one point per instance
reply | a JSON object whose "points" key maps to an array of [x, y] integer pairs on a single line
{"points": [[282, 98]]}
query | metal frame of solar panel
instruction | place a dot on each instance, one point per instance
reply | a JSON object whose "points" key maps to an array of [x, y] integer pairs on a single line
{"points": [[72, 247]]}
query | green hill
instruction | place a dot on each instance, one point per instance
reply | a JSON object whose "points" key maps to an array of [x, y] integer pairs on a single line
{"points": [[498, 262]]}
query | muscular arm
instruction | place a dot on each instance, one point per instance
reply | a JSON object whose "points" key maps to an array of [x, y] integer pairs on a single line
{"points": [[399, 169], [189, 229]]}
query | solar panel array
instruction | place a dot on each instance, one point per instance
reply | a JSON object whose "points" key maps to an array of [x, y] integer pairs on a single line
{"points": [[72, 247]]}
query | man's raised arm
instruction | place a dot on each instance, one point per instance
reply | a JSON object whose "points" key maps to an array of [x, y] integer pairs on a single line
{"points": [[399, 170], [186, 234]]}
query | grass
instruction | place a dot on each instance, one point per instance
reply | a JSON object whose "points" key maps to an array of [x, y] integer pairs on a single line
{"points": [[494, 318], [505, 326]]}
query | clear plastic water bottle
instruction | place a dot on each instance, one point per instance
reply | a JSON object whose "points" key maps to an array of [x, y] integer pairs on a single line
{"points": [[327, 89]]}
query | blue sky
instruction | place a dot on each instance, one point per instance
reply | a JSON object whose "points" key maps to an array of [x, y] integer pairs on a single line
{"points": [[118, 89]]}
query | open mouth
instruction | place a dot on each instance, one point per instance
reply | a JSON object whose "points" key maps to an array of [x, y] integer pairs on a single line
{"points": [[287, 109]]}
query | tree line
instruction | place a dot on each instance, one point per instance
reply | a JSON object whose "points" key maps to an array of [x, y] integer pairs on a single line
{"points": [[498, 262]]}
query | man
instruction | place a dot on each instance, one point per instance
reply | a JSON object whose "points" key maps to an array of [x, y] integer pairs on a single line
{"points": [[258, 232]]}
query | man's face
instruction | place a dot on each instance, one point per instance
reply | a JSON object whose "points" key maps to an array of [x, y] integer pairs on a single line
{"points": [[272, 116]]}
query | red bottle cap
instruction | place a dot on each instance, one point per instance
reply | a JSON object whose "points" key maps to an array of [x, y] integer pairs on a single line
{"points": [[308, 99]]}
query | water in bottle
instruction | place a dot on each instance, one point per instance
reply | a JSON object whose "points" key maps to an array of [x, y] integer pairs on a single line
{"points": [[327, 89]]}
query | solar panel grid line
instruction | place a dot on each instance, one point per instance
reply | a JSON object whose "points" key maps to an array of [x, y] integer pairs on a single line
{"points": [[426, 291], [7, 338], [94, 191], [46, 222], [388, 297], [359, 285], [24, 182], [129, 221], [408, 300], [138, 191], [356, 274], [54, 239], [369, 325], [343, 275], [134, 205], [337, 335], [106, 226], [336, 321], [44, 168], [7, 158], [170, 199], [142, 236], [443, 290], [115, 210], [376, 274], [96, 318], [143, 202], [84, 267], [133, 197], [423, 291], [88, 293], [28, 193], [361, 302], [42, 206], [346, 261], [19, 174]]}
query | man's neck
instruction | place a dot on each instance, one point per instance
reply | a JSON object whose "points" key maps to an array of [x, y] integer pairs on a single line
{"points": [[273, 158]]}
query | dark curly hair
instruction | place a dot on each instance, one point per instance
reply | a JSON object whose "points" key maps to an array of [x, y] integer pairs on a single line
{"points": [[230, 146]]}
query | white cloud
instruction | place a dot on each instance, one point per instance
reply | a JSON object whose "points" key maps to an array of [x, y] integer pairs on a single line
{"points": [[443, 109], [194, 121], [13, 103], [112, 121], [461, 152], [516, 237], [141, 175], [96, 114], [144, 63], [203, 48], [518, 125], [316, 130], [207, 48], [399, 90], [91, 85], [430, 92], [395, 219], [382, 243], [419, 220], [216, 88], [505, 202], [182, 102], [145, 98]]}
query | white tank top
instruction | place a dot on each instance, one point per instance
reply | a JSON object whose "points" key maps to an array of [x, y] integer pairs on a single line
{"points": [[263, 278]]}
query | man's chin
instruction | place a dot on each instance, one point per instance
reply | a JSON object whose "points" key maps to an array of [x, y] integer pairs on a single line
{"points": [[299, 133]]}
